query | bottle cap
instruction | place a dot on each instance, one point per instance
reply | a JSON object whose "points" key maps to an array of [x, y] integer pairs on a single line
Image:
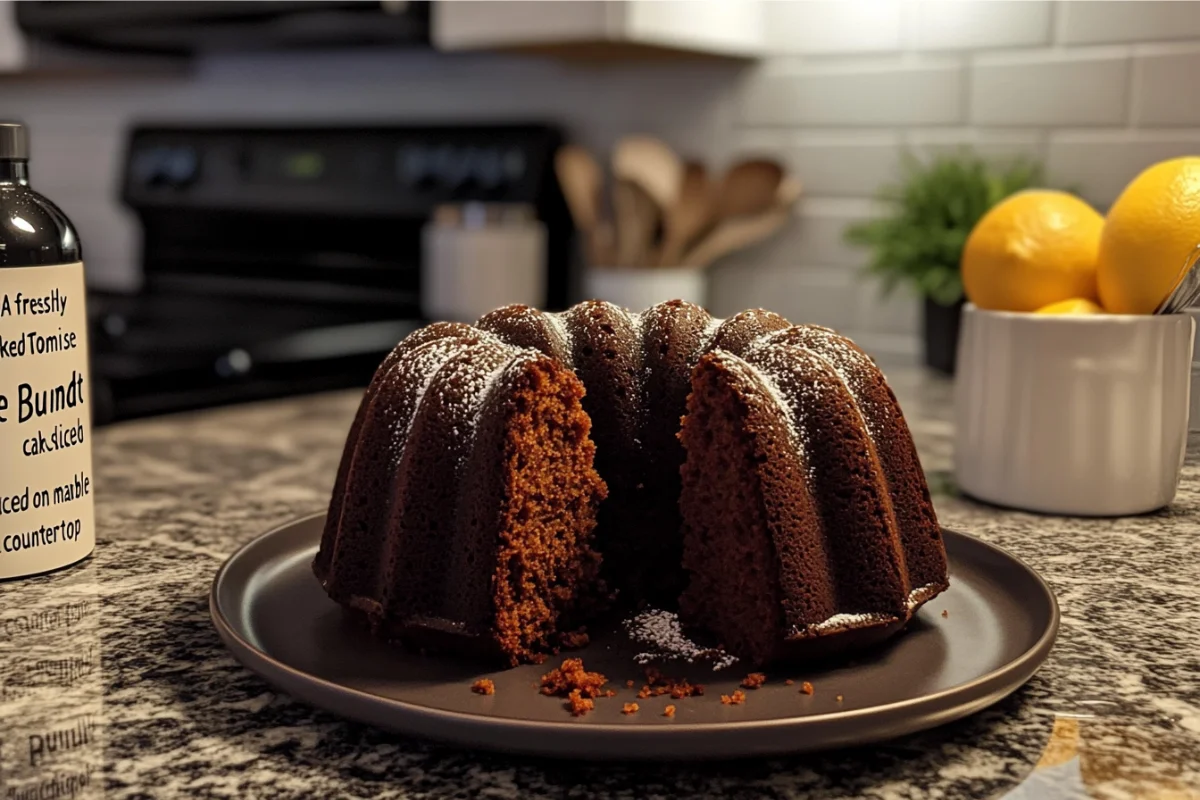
{"points": [[14, 141]]}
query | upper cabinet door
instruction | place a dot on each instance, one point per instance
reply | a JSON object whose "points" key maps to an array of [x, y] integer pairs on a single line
{"points": [[595, 28]]}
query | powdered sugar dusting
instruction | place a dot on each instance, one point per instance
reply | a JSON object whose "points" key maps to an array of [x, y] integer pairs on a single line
{"points": [[852, 366], [709, 334], [487, 363], [424, 362], [662, 632], [560, 330]]}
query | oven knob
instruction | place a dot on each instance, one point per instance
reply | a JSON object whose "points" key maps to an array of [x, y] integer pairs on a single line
{"points": [[235, 363], [182, 167]]}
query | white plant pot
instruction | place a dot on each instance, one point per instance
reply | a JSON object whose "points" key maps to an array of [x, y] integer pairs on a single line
{"points": [[1081, 415], [640, 288]]}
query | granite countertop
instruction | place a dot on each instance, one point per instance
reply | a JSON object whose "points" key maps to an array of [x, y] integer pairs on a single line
{"points": [[114, 684]]}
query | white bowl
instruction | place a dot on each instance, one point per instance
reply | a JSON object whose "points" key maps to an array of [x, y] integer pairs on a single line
{"points": [[639, 288], [1084, 415]]}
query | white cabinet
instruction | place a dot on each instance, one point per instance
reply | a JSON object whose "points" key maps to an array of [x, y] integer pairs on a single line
{"points": [[596, 28]]}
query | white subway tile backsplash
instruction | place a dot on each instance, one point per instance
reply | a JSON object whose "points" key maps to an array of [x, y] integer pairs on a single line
{"points": [[815, 237], [837, 164], [833, 26], [1090, 22], [1099, 164], [1167, 89], [1002, 145], [803, 295], [900, 94], [957, 25], [1050, 90]]}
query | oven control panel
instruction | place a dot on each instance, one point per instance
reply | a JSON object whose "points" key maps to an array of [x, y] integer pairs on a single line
{"points": [[402, 170]]}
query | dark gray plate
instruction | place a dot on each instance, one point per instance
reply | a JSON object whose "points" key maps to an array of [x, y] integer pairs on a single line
{"points": [[1000, 622]]}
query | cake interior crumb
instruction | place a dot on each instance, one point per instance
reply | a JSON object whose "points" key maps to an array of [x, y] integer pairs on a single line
{"points": [[669, 711], [483, 686], [629, 708], [806, 688], [736, 699]]}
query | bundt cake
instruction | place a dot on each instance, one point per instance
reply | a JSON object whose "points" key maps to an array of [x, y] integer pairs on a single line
{"points": [[787, 513]]}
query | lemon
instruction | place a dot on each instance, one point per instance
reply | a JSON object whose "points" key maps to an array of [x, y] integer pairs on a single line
{"points": [[1032, 249], [1076, 305], [1150, 231]]}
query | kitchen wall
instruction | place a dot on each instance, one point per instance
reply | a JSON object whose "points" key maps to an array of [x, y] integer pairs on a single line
{"points": [[1096, 89]]}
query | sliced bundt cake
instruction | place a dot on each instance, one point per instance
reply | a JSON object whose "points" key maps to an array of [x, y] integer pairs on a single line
{"points": [[790, 511], [464, 507], [791, 490]]}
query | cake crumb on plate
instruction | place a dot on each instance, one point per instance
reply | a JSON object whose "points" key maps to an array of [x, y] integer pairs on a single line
{"points": [[579, 705], [669, 711], [754, 680], [629, 708], [735, 699], [806, 688], [571, 676], [483, 686]]}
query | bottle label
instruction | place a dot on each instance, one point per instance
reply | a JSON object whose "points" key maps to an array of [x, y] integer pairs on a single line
{"points": [[46, 517]]}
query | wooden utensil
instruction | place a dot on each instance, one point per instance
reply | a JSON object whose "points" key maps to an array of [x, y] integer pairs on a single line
{"points": [[637, 219], [749, 187], [652, 165], [691, 215], [737, 233], [582, 181]]}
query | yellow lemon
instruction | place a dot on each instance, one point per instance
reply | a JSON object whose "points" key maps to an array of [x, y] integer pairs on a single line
{"points": [[1034, 248], [1076, 305], [1150, 231]]}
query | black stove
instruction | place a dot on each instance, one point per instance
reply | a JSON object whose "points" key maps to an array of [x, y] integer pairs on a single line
{"points": [[280, 261]]}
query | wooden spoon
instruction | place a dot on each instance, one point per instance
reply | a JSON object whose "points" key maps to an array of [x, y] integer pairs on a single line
{"points": [[737, 233], [691, 215], [749, 187], [652, 165], [582, 181], [637, 219]]}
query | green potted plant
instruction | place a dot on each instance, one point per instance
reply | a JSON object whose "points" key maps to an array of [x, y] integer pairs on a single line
{"points": [[919, 240]]}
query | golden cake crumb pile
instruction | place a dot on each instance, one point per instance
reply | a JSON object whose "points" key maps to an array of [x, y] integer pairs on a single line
{"points": [[754, 680], [735, 699], [629, 708], [483, 686], [575, 683]]}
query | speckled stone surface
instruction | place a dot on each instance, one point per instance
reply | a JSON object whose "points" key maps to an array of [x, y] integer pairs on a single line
{"points": [[114, 684]]}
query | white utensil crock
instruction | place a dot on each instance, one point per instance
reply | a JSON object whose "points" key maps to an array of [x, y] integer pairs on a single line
{"points": [[1082, 415], [475, 262], [639, 288]]}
